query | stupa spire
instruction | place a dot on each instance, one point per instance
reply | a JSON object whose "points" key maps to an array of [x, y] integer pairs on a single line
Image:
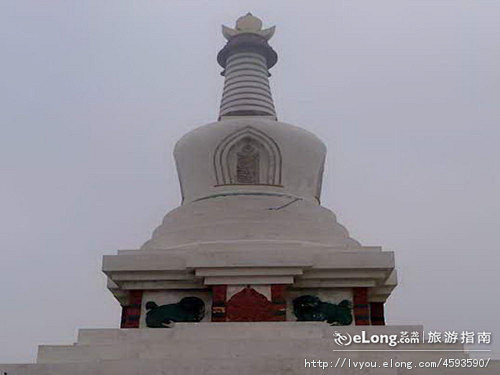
{"points": [[246, 59]]}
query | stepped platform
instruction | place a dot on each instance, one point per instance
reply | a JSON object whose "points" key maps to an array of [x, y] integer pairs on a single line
{"points": [[243, 348]]}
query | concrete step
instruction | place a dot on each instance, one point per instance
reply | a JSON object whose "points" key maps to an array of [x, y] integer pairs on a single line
{"points": [[223, 349], [194, 366], [242, 366], [271, 330], [184, 349], [206, 330]]}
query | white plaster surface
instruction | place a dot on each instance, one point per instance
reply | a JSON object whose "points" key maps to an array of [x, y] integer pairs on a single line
{"points": [[302, 155], [246, 85], [300, 265], [250, 217], [224, 348]]}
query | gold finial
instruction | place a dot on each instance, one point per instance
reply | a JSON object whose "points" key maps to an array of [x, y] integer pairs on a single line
{"points": [[248, 24]]}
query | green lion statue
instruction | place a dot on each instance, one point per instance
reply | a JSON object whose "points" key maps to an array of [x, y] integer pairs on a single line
{"points": [[311, 308], [188, 309]]}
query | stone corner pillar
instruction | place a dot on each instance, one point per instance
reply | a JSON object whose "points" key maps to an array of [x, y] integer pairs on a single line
{"points": [[361, 306], [219, 296], [278, 299], [131, 313], [377, 317]]}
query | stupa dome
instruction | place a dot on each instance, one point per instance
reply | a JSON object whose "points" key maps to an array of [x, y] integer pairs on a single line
{"points": [[250, 179], [250, 155]]}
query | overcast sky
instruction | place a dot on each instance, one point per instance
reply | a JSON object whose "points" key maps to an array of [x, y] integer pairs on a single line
{"points": [[94, 95]]}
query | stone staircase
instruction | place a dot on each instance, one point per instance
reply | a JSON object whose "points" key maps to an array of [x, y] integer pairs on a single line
{"points": [[229, 348]]}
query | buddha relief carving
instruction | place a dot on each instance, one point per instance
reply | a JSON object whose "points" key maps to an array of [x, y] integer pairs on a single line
{"points": [[247, 157], [247, 164]]}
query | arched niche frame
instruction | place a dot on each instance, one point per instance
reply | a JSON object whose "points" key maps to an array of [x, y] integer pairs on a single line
{"points": [[247, 157]]}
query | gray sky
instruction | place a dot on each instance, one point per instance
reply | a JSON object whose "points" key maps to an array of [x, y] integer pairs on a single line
{"points": [[95, 94]]}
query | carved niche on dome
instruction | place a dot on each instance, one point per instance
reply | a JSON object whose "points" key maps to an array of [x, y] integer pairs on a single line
{"points": [[247, 157]]}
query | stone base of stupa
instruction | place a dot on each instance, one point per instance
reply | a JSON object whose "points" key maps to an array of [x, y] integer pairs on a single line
{"points": [[236, 348]]}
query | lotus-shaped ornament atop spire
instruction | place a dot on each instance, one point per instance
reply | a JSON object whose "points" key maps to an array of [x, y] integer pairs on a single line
{"points": [[248, 24]]}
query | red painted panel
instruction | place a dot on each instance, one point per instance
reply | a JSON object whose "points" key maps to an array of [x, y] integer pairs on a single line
{"points": [[377, 314], [361, 307], [219, 293], [131, 313], [248, 305], [278, 298]]}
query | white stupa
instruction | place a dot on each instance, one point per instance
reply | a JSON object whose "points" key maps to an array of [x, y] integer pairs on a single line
{"points": [[250, 274], [250, 219]]}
